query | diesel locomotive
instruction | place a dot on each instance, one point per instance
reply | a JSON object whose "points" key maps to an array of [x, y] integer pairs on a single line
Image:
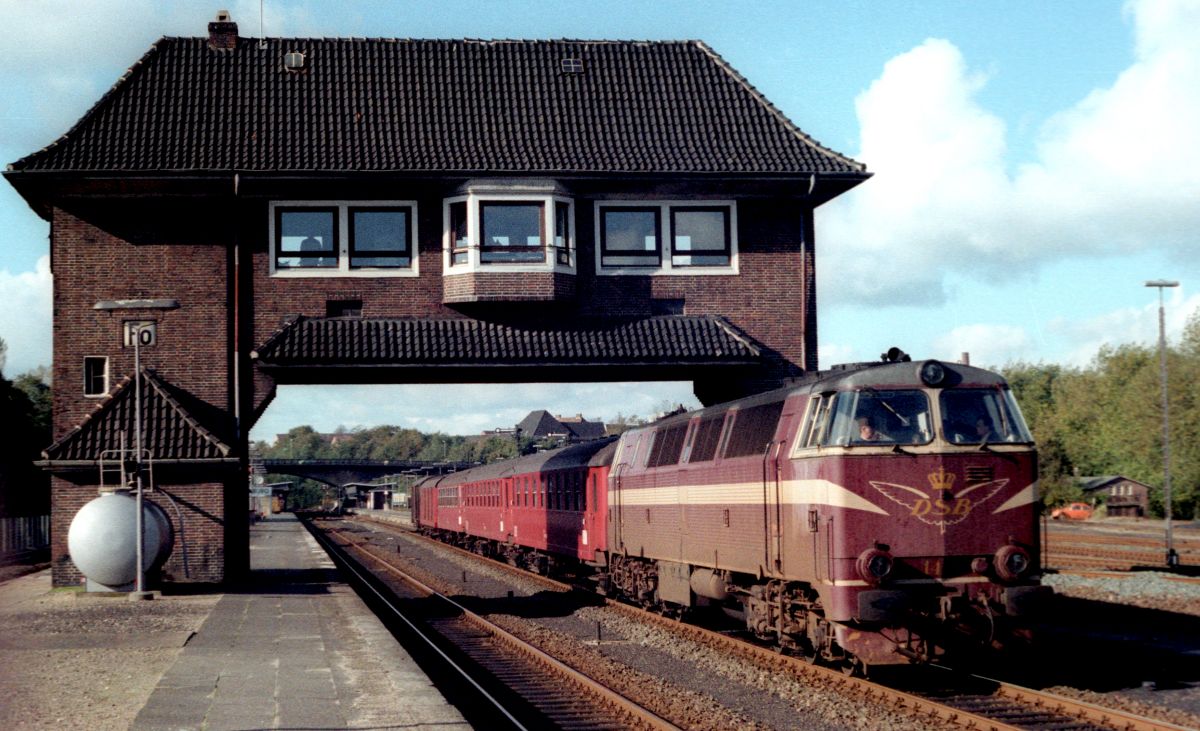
{"points": [[868, 515]]}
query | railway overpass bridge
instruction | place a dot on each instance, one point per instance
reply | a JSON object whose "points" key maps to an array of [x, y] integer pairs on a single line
{"points": [[341, 472]]}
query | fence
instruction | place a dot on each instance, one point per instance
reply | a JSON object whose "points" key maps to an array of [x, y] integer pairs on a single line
{"points": [[22, 534]]}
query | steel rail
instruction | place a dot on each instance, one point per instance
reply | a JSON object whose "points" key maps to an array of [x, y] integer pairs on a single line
{"points": [[362, 580], [625, 709], [1106, 718]]}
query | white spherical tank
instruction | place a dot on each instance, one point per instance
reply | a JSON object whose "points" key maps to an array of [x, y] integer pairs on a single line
{"points": [[102, 540]]}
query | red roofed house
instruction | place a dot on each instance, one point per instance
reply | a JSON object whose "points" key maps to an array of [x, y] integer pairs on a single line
{"points": [[306, 210]]}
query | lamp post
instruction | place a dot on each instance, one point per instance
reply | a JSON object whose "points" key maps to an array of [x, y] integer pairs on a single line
{"points": [[139, 591], [1161, 284]]}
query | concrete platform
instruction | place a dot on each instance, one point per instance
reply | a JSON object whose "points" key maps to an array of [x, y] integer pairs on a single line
{"points": [[297, 650]]}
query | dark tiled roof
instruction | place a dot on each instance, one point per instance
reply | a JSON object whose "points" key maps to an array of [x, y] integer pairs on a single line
{"points": [[1091, 483], [436, 105], [585, 429], [170, 426], [540, 423], [666, 340]]}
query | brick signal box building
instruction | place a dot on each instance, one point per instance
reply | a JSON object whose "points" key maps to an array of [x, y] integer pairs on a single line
{"points": [[296, 210]]}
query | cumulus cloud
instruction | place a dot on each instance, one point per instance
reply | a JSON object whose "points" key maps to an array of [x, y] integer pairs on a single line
{"points": [[987, 345], [25, 325], [1083, 339], [1116, 173]]}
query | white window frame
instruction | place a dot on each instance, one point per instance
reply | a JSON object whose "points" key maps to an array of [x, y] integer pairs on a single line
{"points": [[474, 264], [107, 376], [343, 233], [665, 267]]}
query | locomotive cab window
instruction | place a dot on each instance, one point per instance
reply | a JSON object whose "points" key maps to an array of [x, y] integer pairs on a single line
{"points": [[982, 415], [870, 416]]}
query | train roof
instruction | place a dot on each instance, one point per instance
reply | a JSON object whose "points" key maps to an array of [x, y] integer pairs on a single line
{"points": [[855, 376], [591, 453]]}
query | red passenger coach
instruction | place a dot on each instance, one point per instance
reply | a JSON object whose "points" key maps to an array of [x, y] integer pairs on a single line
{"points": [[533, 511]]}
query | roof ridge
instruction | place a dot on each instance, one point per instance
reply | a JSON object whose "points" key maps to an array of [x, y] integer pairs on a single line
{"points": [[736, 334], [93, 414], [159, 385], [121, 392], [775, 111]]}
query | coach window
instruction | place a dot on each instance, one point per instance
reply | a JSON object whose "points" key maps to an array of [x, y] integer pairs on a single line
{"points": [[666, 237], [343, 238], [95, 375]]}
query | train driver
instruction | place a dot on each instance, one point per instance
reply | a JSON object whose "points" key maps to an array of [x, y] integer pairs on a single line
{"points": [[867, 431]]}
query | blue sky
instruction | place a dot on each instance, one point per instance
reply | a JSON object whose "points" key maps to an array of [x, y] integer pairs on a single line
{"points": [[1034, 163]]}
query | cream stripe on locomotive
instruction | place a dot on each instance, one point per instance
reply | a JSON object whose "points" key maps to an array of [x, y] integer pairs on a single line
{"points": [[809, 492], [1022, 498]]}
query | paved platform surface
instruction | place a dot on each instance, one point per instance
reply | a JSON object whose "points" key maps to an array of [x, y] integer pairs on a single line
{"points": [[298, 650]]}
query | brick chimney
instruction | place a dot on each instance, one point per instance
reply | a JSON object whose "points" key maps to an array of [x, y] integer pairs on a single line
{"points": [[222, 32]]}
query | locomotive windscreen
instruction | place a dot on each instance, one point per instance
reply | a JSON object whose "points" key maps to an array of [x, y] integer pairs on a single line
{"points": [[975, 415], [860, 417]]}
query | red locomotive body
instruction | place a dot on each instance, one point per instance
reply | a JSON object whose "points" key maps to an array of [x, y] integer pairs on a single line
{"points": [[868, 515]]}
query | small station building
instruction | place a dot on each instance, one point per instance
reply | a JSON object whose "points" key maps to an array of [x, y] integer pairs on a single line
{"points": [[238, 213]]}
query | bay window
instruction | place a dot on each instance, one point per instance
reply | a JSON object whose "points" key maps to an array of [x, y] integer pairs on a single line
{"points": [[502, 230]]}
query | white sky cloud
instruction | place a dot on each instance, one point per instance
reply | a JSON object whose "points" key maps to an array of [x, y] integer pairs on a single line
{"points": [[25, 325], [1083, 339], [1117, 172], [989, 346]]}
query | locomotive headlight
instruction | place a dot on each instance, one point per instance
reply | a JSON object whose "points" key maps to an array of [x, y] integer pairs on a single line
{"points": [[932, 373], [1012, 562], [874, 565]]}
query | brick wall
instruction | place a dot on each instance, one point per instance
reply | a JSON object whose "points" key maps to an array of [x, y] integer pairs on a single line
{"points": [[91, 263], [772, 299], [145, 250]]}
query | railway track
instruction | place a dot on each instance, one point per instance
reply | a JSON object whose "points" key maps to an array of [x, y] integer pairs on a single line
{"points": [[1065, 548], [526, 687], [965, 701]]}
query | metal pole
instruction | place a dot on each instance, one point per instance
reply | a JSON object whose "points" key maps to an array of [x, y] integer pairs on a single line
{"points": [[1172, 557], [140, 586]]}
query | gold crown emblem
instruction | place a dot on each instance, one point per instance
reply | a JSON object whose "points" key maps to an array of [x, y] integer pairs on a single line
{"points": [[941, 480]]}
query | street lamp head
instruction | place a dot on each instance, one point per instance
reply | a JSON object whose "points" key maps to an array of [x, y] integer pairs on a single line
{"points": [[1161, 283]]}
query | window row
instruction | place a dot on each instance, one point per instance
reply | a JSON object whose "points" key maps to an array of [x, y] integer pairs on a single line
{"points": [[871, 416], [344, 238], [515, 232], [739, 433], [564, 490]]}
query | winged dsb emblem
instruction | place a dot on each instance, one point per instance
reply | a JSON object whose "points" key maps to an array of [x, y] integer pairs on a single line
{"points": [[941, 506]]}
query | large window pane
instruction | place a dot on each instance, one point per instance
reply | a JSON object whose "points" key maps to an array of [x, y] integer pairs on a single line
{"points": [[975, 415], [512, 232], [699, 236], [379, 238], [305, 238], [629, 237]]}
